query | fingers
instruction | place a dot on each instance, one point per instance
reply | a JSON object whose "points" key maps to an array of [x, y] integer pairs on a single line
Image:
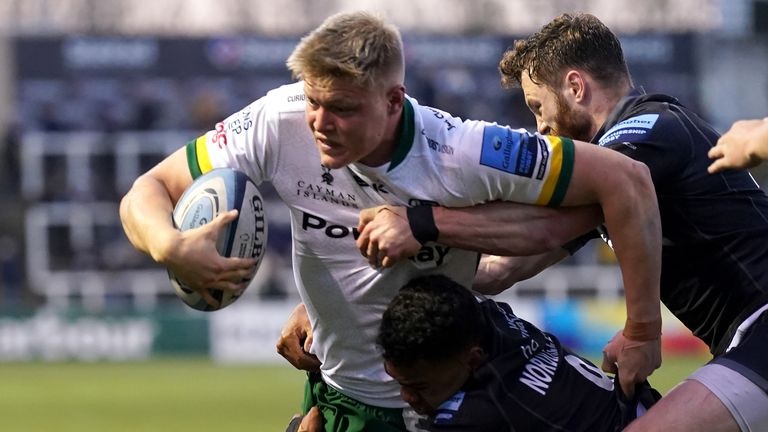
{"points": [[609, 363], [224, 218], [290, 348], [295, 341], [611, 353], [717, 166], [206, 295], [716, 151], [312, 422], [718, 154], [627, 384], [367, 215], [308, 342], [372, 253]]}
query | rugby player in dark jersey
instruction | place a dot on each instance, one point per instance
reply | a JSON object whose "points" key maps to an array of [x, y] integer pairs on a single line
{"points": [[715, 227], [469, 364]]}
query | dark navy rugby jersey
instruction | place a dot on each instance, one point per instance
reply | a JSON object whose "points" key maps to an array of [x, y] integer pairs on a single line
{"points": [[714, 270], [529, 382]]}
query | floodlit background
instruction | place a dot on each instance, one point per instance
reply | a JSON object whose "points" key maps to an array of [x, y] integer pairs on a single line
{"points": [[94, 92]]}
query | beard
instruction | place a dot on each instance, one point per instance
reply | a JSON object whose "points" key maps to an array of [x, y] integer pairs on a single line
{"points": [[571, 123]]}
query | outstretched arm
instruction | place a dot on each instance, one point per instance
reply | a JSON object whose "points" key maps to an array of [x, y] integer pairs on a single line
{"points": [[625, 192], [497, 228], [745, 145]]}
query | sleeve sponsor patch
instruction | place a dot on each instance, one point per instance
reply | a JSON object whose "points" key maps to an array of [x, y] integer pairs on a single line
{"points": [[631, 129], [510, 151]]}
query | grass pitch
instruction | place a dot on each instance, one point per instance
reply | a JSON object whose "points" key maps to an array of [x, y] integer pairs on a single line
{"points": [[172, 395]]}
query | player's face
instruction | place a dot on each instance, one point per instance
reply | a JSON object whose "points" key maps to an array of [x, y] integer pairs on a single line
{"points": [[555, 114], [350, 123], [426, 385]]}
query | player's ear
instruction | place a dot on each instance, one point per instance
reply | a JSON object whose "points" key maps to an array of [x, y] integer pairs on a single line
{"points": [[576, 85], [396, 99], [475, 356]]}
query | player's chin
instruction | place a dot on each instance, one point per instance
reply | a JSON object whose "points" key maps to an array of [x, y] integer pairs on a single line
{"points": [[422, 409], [334, 159]]}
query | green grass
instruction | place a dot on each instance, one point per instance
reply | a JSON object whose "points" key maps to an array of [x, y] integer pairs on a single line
{"points": [[172, 395], [674, 370], [178, 395]]}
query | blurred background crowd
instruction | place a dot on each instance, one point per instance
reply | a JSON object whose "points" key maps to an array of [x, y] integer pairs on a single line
{"points": [[94, 92]]}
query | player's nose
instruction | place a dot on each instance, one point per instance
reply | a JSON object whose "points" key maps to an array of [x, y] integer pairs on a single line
{"points": [[409, 396], [323, 120], [543, 127]]}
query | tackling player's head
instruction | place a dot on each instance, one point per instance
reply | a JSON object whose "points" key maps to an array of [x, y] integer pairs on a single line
{"points": [[572, 73], [430, 335], [579, 41], [353, 72]]}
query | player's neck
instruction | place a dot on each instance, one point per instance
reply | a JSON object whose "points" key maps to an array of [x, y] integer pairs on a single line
{"points": [[384, 152], [603, 104]]}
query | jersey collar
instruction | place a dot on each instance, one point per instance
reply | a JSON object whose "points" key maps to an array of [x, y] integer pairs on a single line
{"points": [[405, 140], [618, 111]]}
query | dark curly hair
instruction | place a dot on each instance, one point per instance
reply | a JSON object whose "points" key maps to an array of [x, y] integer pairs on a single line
{"points": [[569, 41], [431, 318]]}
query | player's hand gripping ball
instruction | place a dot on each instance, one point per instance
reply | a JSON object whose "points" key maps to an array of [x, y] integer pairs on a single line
{"points": [[219, 191]]}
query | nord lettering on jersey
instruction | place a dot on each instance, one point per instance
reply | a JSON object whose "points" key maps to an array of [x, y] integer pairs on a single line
{"points": [[322, 193], [539, 371]]}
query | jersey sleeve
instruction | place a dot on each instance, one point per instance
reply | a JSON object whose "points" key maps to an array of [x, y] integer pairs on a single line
{"points": [[501, 163], [245, 141], [659, 140]]}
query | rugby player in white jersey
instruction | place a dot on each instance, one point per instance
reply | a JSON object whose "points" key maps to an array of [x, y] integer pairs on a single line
{"points": [[346, 137]]}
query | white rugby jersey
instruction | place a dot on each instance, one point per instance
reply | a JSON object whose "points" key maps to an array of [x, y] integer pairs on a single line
{"points": [[439, 160]]}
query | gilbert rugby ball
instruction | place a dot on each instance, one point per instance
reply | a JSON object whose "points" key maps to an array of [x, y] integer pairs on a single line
{"points": [[219, 191]]}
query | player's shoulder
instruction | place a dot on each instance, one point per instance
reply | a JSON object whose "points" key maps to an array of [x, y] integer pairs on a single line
{"points": [[434, 122], [287, 98], [644, 119]]}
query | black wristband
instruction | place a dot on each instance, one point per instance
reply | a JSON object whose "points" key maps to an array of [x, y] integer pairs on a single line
{"points": [[422, 223], [574, 245]]}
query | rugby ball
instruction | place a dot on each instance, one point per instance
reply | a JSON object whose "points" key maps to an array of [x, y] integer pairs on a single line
{"points": [[219, 191]]}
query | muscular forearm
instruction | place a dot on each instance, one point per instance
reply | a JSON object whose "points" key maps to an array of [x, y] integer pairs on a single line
{"points": [[624, 189], [145, 212], [506, 228], [632, 219], [496, 273]]}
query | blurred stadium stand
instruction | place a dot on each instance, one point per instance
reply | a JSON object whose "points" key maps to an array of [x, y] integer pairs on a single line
{"points": [[94, 92]]}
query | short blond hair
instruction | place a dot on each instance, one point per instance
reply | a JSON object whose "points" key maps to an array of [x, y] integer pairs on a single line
{"points": [[355, 46]]}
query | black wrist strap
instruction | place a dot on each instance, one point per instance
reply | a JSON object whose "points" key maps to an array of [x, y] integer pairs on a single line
{"points": [[574, 245], [422, 223]]}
